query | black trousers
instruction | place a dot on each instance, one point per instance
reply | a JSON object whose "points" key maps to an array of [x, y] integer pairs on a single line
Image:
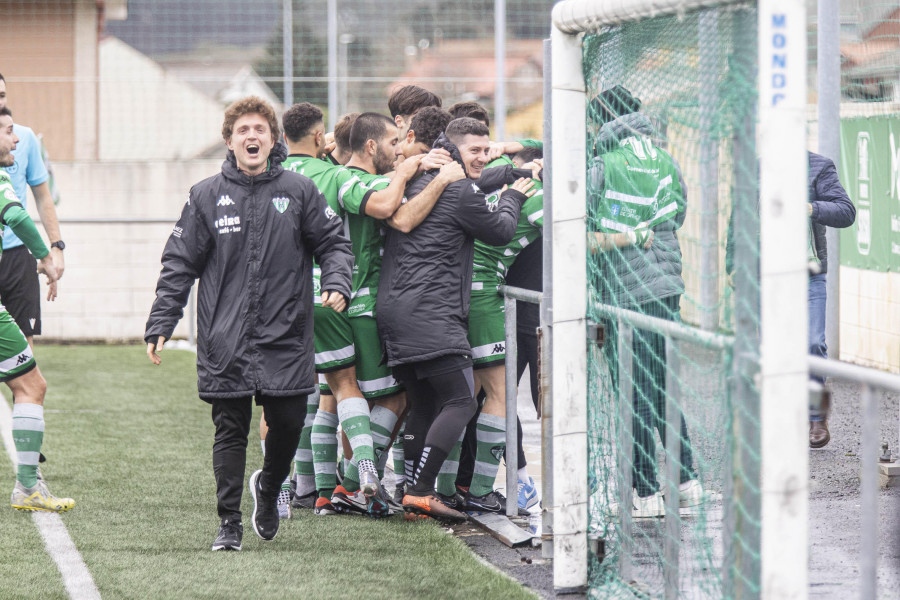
{"points": [[440, 405], [284, 415]]}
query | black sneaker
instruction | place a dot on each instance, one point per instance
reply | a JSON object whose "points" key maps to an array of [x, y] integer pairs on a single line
{"points": [[230, 535], [307, 501], [490, 502], [456, 501], [265, 510]]}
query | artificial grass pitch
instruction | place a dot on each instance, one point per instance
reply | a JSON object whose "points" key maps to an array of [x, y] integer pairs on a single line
{"points": [[132, 444]]}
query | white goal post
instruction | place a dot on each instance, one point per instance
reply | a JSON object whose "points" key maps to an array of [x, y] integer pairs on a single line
{"points": [[781, 145]]}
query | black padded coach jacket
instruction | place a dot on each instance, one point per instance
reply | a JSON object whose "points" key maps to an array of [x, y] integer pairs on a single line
{"points": [[426, 275], [251, 242]]}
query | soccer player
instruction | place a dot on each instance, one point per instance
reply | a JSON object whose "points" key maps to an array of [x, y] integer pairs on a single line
{"points": [[18, 369], [487, 336], [341, 153], [19, 287], [423, 304], [405, 101], [250, 234]]}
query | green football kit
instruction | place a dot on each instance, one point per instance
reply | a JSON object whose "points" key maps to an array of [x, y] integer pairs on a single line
{"points": [[16, 357], [487, 327], [367, 235], [333, 337]]}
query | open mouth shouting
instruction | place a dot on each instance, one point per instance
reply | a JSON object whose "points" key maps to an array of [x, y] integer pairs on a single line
{"points": [[253, 150]]}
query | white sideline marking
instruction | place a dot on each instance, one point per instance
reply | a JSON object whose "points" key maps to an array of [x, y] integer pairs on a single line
{"points": [[76, 577]]}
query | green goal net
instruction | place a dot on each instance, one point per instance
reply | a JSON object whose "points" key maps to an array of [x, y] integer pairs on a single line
{"points": [[673, 288]]}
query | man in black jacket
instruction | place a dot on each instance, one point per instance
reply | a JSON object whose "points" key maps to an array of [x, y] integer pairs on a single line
{"points": [[423, 301], [250, 234]]}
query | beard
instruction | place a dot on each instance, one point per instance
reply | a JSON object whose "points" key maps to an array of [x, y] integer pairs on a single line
{"points": [[383, 162]]}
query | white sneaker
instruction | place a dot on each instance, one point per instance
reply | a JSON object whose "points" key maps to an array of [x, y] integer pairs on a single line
{"points": [[649, 507], [690, 493]]}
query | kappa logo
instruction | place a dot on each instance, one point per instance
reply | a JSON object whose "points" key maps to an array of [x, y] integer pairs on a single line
{"points": [[499, 349], [329, 213], [281, 203], [476, 189], [23, 358], [225, 201]]}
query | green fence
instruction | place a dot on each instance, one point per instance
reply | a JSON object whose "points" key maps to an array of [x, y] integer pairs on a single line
{"points": [[672, 216]]}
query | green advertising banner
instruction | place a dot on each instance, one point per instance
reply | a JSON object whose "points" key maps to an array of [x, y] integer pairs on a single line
{"points": [[870, 172]]}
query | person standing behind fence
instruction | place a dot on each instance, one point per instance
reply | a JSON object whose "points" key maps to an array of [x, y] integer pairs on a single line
{"points": [[638, 201], [250, 234], [829, 206]]}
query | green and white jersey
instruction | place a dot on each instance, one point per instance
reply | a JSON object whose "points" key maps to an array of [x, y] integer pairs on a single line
{"points": [[14, 216], [367, 237], [7, 197], [491, 263], [640, 187], [328, 178]]}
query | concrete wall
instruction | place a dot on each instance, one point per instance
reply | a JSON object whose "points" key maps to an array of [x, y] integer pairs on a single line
{"points": [[111, 269], [870, 318]]}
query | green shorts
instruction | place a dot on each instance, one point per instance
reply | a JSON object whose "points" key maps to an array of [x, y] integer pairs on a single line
{"points": [[372, 373], [16, 357], [487, 329], [333, 340]]}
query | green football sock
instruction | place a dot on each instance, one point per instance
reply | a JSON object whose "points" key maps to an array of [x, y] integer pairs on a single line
{"points": [[355, 422], [323, 442], [446, 479], [28, 435], [351, 475], [304, 471], [490, 434], [399, 458], [383, 421]]}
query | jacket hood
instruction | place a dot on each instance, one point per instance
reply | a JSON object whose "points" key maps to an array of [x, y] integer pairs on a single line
{"points": [[444, 142], [276, 157], [622, 127]]}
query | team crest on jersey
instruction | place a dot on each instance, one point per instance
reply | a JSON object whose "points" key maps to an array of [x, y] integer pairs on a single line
{"points": [[280, 203], [225, 201]]}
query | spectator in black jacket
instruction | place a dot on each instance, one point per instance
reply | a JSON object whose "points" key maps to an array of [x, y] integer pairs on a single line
{"points": [[828, 206], [249, 234], [423, 302]]}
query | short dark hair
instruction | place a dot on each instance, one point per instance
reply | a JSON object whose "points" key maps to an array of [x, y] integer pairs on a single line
{"points": [[529, 153], [5, 112], [408, 99], [428, 123], [614, 103], [342, 130], [368, 126], [459, 128], [300, 119], [470, 109]]}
